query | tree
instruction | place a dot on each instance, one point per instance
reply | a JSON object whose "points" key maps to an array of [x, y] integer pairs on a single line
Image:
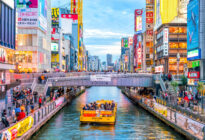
{"points": [[175, 85], [200, 87], [184, 80]]}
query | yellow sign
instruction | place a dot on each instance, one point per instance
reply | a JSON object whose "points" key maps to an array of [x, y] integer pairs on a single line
{"points": [[18, 129], [170, 11], [55, 58]]}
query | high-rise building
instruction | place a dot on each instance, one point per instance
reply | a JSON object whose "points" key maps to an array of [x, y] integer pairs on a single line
{"points": [[34, 36], [109, 59], [7, 39], [170, 36]]}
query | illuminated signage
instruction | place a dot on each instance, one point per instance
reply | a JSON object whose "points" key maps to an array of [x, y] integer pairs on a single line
{"points": [[54, 47], [130, 39], [192, 82], [193, 55], [194, 75], [166, 41], [193, 25], [138, 20], [55, 16], [159, 69], [125, 43]]}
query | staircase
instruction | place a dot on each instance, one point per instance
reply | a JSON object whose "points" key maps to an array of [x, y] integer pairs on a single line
{"points": [[171, 88], [39, 88]]}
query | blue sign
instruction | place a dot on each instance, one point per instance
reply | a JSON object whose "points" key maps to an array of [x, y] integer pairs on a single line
{"points": [[193, 25], [194, 55]]}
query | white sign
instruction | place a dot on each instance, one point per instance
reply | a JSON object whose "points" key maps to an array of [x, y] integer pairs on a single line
{"points": [[105, 78], [166, 42], [159, 69], [28, 17], [66, 25], [10, 3]]}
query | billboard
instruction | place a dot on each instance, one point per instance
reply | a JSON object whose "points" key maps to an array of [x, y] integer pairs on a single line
{"points": [[42, 6], [139, 56], [130, 41], [138, 20], [27, 3], [193, 25], [124, 43], [55, 17], [194, 54], [170, 11], [66, 26], [54, 47], [74, 17], [27, 17]]}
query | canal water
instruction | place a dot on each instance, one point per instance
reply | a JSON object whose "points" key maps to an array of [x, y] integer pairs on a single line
{"points": [[132, 121]]}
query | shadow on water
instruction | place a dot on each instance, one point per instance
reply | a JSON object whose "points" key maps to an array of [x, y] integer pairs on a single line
{"points": [[132, 121]]}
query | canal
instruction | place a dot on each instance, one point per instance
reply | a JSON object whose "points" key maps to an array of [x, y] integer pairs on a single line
{"points": [[132, 121]]}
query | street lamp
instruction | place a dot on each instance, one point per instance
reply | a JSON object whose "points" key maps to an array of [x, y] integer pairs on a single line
{"points": [[178, 59]]}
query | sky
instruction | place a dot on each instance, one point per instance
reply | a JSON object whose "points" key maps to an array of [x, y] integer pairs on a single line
{"points": [[105, 23]]}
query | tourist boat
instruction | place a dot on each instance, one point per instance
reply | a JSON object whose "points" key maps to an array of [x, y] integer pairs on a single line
{"points": [[99, 115]]}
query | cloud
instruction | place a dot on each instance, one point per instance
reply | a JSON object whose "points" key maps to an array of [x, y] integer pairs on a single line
{"points": [[114, 49], [97, 33]]}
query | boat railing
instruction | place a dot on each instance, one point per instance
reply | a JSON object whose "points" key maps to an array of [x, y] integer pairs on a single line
{"points": [[97, 113]]}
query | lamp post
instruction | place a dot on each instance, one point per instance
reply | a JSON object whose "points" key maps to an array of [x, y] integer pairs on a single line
{"points": [[178, 59]]}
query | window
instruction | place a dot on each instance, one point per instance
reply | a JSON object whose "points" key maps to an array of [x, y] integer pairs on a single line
{"points": [[178, 30]]}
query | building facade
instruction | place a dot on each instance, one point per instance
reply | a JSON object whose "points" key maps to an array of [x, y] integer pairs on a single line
{"points": [[33, 51], [7, 39]]}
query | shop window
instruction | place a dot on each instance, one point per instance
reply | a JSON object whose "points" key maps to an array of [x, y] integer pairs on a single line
{"points": [[176, 30], [24, 40]]}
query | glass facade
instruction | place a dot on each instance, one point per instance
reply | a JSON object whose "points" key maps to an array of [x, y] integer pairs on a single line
{"points": [[7, 26]]}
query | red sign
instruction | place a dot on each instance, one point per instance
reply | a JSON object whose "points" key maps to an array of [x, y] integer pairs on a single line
{"points": [[74, 17], [194, 75], [149, 14], [149, 32], [53, 31], [139, 55]]}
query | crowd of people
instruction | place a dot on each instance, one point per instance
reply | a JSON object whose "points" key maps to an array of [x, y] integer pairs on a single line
{"points": [[24, 103], [102, 106], [42, 79]]}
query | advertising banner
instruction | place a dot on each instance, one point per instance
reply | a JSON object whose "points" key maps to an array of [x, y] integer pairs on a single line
{"points": [[54, 47], [105, 78], [149, 17], [193, 25], [66, 25], [43, 14], [159, 69], [59, 101], [27, 17], [194, 54], [18, 129], [74, 17], [165, 41], [139, 56], [55, 17], [194, 75], [188, 123], [27, 3], [138, 20]]}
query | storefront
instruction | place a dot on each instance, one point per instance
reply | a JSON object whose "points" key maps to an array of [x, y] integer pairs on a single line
{"points": [[26, 61]]}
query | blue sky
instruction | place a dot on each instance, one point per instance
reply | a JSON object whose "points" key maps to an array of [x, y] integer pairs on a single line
{"points": [[105, 23]]}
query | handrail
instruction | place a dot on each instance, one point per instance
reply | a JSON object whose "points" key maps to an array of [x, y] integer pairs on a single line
{"points": [[33, 84], [162, 84]]}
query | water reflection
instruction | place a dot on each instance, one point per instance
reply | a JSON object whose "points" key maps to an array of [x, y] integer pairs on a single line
{"points": [[132, 122]]}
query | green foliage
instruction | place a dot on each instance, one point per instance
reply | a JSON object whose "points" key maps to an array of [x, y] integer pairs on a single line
{"points": [[200, 87], [175, 85], [184, 80]]}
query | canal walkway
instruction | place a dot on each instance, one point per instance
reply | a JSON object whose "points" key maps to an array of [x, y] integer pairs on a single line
{"points": [[187, 126], [25, 128]]}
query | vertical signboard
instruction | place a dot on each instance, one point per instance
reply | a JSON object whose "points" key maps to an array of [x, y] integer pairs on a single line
{"points": [[125, 42], [193, 25], [42, 6], [55, 17], [165, 42], [138, 20], [139, 56]]}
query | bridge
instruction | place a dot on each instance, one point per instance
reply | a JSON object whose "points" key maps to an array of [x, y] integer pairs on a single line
{"points": [[128, 80]]}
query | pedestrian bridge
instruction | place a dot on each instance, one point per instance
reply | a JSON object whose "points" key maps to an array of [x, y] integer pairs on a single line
{"points": [[128, 80]]}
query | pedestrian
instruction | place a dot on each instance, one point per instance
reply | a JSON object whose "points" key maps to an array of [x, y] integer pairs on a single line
{"points": [[4, 118], [40, 101], [21, 115], [13, 116]]}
